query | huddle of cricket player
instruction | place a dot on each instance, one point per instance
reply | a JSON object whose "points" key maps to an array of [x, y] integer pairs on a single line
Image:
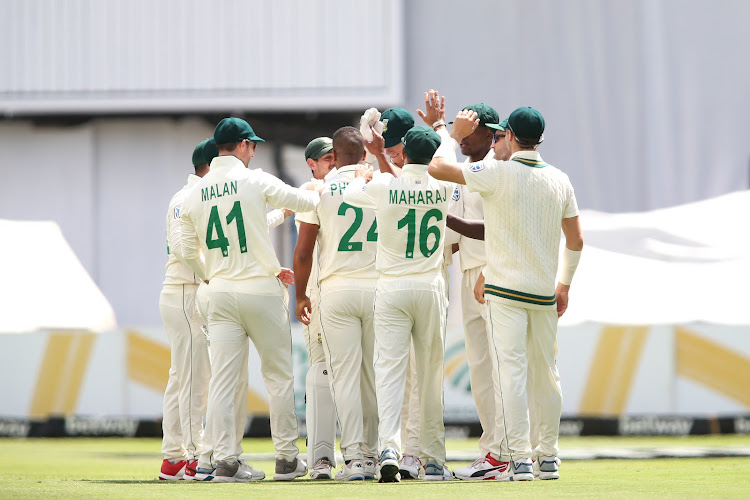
{"points": [[387, 205]]}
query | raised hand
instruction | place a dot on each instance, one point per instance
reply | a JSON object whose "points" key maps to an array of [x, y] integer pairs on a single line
{"points": [[465, 123], [434, 108]]}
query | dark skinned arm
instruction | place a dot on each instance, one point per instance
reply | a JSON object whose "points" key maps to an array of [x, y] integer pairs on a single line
{"points": [[470, 228], [303, 257]]}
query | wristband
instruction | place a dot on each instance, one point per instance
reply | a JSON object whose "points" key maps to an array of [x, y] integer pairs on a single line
{"points": [[439, 123], [570, 261]]}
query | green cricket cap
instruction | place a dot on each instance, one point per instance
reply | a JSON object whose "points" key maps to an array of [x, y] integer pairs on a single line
{"points": [[527, 124], [231, 130], [396, 123], [198, 156], [420, 144], [318, 147], [499, 126], [485, 113], [204, 152]]}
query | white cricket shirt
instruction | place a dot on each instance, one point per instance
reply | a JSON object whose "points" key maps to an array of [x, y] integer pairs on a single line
{"points": [[177, 272], [471, 252], [224, 216], [347, 238], [410, 210], [525, 200]]}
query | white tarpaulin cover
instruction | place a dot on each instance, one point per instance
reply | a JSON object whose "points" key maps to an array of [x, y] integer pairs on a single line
{"points": [[44, 285], [689, 263]]}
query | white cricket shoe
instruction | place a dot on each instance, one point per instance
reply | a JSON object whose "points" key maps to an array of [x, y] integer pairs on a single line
{"points": [[389, 469], [286, 470], [482, 468], [434, 472], [547, 467], [522, 470], [370, 466], [353, 471], [237, 472], [410, 467], [321, 469]]}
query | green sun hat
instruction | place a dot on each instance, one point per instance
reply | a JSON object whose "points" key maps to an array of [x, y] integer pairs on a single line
{"points": [[420, 144]]}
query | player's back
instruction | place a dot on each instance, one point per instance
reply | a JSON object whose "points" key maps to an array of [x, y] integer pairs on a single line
{"points": [[175, 271], [348, 234], [411, 222], [228, 208]]}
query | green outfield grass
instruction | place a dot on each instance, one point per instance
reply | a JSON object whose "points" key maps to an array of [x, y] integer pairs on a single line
{"points": [[127, 468]]}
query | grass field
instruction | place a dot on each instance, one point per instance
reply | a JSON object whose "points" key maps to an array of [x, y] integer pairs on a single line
{"points": [[127, 468]]}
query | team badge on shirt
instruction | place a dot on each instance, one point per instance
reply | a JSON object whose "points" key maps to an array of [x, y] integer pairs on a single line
{"points": [[456, 194], [177, 211], [476, 167]]}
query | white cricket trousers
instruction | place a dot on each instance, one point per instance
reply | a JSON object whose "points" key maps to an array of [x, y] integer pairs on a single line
{"points": [[481, 368], [186, 394], [346, 312], [411, 309], [410, 410], [252, 309], [524, 351]]}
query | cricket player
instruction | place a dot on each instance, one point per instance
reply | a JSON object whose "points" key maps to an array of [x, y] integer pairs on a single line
{"points": [[523, 196], [319, 406], [189, 372], [346, 237], [225, 217], [410, 302], [398, 122], [477, 146]]}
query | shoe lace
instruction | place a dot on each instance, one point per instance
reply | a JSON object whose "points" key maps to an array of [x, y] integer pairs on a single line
{"points": [[479, 461], [323, 463]]}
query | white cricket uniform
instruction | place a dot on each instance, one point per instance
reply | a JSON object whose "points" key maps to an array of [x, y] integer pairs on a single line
{"points": [[189, 372], [410, 303], [410, 409], [348, 278], [473, 258], [225, 217], [525, 201]]}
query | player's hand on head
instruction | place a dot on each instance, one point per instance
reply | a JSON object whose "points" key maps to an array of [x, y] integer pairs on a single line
{"points": [[479, 289], [286, 276], [434, 108], [465, 123], [561, 296], [303, 309]]}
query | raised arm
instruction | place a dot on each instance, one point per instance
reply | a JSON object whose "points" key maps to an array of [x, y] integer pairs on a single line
{"points": [[444, 166]]}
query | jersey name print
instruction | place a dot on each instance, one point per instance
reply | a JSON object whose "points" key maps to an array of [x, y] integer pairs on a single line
{"points": [[214, 191], [409, 197]]}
